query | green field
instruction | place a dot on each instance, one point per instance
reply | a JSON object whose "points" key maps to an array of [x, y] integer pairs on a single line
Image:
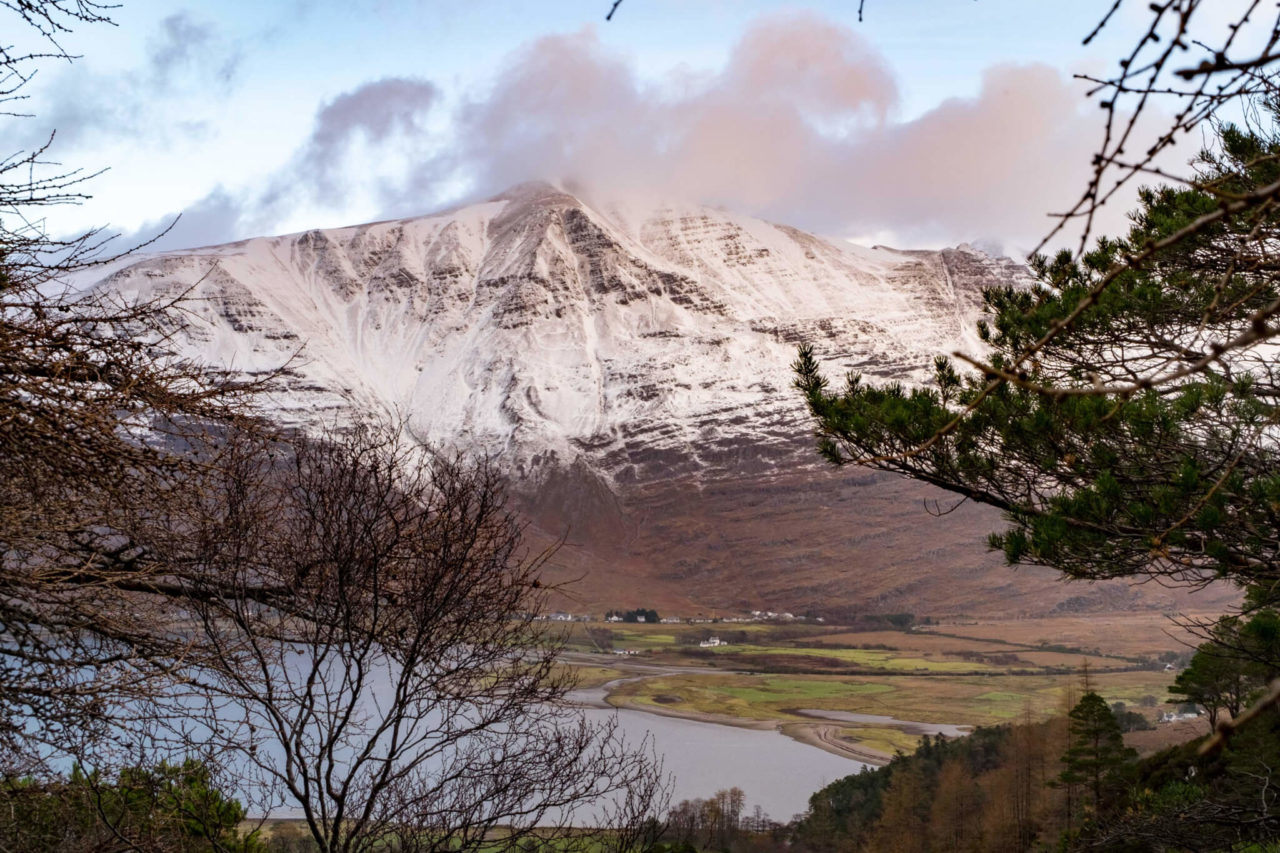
{"points": [[772, 647], [595, 676], [956, 700], [981, 675], [860, 658]]}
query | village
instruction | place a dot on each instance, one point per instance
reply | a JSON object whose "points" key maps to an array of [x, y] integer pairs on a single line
{"points": [[642, 616]]}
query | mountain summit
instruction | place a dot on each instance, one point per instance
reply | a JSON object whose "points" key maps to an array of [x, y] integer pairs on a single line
{"points": [[542, 328], [632, 369]]}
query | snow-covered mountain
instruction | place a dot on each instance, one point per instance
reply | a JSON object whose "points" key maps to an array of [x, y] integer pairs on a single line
{"points": [[632, 369], [545, 329]]}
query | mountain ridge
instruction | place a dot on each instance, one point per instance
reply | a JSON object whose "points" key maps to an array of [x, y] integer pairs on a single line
{"points": [[631, 369], [539, 260]]}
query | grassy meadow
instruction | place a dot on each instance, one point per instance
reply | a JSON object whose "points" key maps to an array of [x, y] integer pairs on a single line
{"points": [[964, 673]]}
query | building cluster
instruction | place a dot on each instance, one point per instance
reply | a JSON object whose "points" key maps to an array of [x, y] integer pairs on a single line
{"points": [[1178, 716], [770, 616], [756, 616], [560, 616]]}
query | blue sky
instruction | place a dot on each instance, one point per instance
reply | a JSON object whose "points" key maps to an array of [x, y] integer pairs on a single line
{"points": [[930, 122]]}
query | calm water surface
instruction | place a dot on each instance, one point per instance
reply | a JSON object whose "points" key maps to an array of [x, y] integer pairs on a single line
{"points": [[776, 772]]}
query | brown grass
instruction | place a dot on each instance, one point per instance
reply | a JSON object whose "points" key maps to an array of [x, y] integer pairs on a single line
{"points": [[910, 641], [1129, 634]]}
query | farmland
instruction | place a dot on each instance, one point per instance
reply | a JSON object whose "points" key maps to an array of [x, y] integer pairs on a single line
{"points": [[962, 673]]}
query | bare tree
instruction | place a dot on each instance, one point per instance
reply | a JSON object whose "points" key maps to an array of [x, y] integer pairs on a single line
{"points": [[375, 661], [30, 181], [94, 412], [343, 621]]}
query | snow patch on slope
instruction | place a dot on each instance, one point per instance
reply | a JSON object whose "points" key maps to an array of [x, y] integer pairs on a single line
{"points": [[539, 327]]}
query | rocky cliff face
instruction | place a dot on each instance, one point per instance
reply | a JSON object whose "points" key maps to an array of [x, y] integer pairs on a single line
{"points": [[633, 372], [537, 326]]}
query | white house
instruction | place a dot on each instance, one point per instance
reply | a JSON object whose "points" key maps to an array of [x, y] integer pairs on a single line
{"points": [[1177, 717]]}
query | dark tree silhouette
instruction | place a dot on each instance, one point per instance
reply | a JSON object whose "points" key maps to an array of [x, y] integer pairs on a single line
{"points": [[1096, 758], [378, 666], [343, 623]]}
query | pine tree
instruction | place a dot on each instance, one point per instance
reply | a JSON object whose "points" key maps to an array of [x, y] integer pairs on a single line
{"points": [[1220, 676], [1096, 759], [1138, 438]]}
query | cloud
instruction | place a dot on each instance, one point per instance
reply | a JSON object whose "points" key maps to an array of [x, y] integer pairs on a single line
{"points": [[822, 69], [184, 57], [185, 46], [566, 109], [325, 172], [987, 167], [374, 114], [216, 218], [799, 126]]}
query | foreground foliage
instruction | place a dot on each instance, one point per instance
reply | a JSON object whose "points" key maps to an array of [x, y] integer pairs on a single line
{"points": [[1139, 444], [176, 808], [987, 791], [1123, 415], [1001, 789], [1124, 420], [344, 622]]}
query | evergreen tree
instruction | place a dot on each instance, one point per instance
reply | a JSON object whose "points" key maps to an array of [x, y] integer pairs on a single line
{"points": [[1096, 759], [1124, 419], [1218, 678], [169, 808]]}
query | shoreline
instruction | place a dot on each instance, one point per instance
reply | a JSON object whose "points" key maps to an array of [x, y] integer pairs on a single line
{"points": [[822, 734]]}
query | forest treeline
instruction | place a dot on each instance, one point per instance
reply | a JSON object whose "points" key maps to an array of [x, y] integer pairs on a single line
{"points": [[1066, 783], [1020, 787]]}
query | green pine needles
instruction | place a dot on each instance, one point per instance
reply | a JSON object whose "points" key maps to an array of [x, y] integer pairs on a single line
{"points": [[1124, 416], [1096, 760]]}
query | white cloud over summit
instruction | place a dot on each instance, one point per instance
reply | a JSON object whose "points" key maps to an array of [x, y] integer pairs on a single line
{"points": [[800, 125]]}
